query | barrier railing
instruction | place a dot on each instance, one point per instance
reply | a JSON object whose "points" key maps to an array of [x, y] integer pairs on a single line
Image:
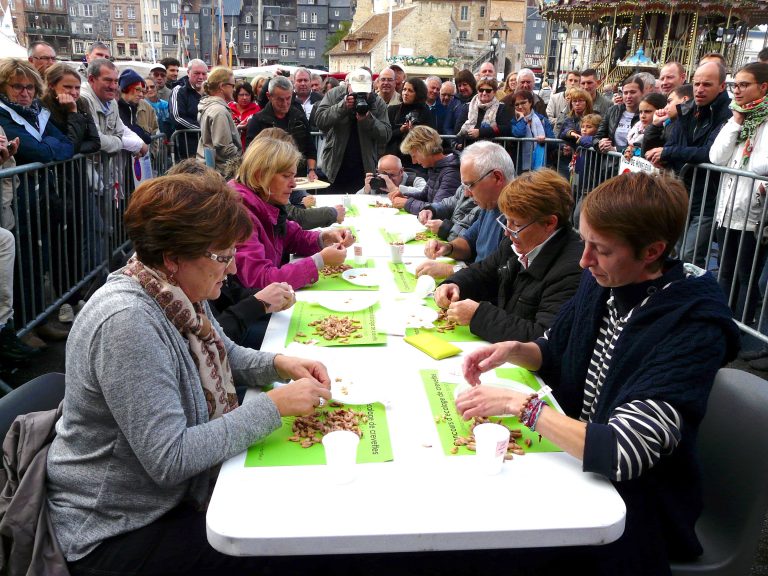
{"points": [[69, 222]]}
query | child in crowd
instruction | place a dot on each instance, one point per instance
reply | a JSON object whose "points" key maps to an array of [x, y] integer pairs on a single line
{"points": [[647, 108], [588, 126]]}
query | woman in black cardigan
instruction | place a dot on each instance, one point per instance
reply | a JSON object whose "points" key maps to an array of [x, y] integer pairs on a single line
{"points": [[413, 111]]}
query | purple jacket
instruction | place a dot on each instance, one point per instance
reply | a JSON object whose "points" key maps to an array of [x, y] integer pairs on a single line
{"points": [[260, 258]]}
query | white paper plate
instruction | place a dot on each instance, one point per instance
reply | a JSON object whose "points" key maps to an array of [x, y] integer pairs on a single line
{"points": [[344, 303], [385, 211], [354, 391], [420, 316], [361, 276]]}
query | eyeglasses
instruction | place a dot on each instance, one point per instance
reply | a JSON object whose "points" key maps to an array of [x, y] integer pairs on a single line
{"points": [[22, 87], [45, 58], [485, 90], [521, 104], [474, 182], [739, 86], [514, 233], [221, 259]]}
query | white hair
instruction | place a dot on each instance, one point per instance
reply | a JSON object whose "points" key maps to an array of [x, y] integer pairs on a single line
{"points": [[486, 156], [525, 72], [196, 62]]}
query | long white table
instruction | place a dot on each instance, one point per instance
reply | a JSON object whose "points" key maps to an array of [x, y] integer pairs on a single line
{"points": [[421, 501]]}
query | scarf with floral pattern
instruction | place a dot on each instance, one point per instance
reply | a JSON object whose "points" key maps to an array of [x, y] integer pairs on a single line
{"points": [[755, 113]]}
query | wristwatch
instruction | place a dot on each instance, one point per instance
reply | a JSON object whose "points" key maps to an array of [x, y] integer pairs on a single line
{"points": [[458, 267]]}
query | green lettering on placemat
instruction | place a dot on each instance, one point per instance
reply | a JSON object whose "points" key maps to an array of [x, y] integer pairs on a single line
{"points": [[404, 280], [303, 313], [450, 425], [391, 237], [277, 450]]}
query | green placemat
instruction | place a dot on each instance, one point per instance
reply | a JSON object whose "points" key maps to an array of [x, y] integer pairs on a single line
{"points": [[277, 450], [450, 425], [458, 334], [404, 280], [353, 211], [391, 237], [336, 282], [299, 329]]}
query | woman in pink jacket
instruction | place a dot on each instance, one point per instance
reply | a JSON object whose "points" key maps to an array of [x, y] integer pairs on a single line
{"points": [[265, 181]]}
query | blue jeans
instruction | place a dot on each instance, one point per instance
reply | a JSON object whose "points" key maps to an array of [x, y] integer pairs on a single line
{"points": [[697, 240], [735, 273]]}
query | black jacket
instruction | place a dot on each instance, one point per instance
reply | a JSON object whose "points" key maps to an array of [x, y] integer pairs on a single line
{"points": [[297, 127], [611, 122], [397, 114], [236, 309], [128, 116], [78, 126], [183, 106], [517, 304]]}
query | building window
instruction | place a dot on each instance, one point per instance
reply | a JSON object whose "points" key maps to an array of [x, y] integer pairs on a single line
{"points": [[44, 3], [134, 50], [283, 51], [73, 10], [462, 34], [87, 28], [310, 2], [313, 35], [246, 47], [336, 13], [482, 11], [132, 30], [537, 49], [575, 34], [270, 25], [119, 30], [464, 13], [481, 34], [247, 34], [87, 9], [165, 25], [59, 4], [154, 4], [533, 23], [303, 17], [79, 48], [302, 53], [131, 13], [538, 36], [165, 11], [174, 8], [156, 37], [312, 53], [166, 40], [196, 24], [313, 18], [302, 34], [283, 38], [155, 20], [118, 11], [248, 18], [174, 23], [74, 27], [121, 49]]}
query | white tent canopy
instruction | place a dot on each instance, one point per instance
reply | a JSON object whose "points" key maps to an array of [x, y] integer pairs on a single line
{"points": [[271, 71], [10, 49]]}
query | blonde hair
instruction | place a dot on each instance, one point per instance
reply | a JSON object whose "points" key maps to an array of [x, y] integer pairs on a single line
{"points": [[255, 84], [592, 120], [264, 158], [217, 77], [10, 67], [422, 139], [580, 94]]}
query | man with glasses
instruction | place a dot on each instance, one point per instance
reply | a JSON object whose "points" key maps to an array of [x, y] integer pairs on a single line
{"points": [[390, 172], [486, 168], [42, 56], [160, 75], [132, 87], [517, 291], [386, 87], [279, 113]]}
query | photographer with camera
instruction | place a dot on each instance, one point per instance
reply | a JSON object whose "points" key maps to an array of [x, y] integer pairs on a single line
{"points": [[413, 111], [390, 178], [356, 129]]}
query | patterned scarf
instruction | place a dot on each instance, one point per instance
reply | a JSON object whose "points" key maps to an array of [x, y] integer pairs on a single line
{"points": [[755, 113], [491, 108], [206, 347], [29, 113]]}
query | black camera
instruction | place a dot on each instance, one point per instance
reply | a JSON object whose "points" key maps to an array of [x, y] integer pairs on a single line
{"points": [[412, 117], [361, 103], [378, 184]]}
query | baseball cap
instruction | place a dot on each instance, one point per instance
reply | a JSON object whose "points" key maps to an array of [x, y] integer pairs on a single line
{"points": [[360, 80], [158, 66]]}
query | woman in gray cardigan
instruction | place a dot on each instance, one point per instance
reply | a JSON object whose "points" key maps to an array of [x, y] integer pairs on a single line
{"points": [[150, 409]]}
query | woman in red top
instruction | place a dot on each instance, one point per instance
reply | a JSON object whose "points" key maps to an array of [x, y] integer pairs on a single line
{"points": [[243, 107]]}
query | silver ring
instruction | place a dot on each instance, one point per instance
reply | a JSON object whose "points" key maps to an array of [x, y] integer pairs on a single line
{"points": [[322, 402]]}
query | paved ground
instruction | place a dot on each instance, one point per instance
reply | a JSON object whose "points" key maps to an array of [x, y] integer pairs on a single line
{"points": [[53, 361]]}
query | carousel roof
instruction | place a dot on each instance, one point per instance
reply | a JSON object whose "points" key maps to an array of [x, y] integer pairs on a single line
{"points": [[751, 12]]}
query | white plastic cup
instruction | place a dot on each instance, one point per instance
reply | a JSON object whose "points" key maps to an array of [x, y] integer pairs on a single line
{"points": [[347, 201], [341, 455], [396, 252], [425, 285], [359, 258], [491, 443]]}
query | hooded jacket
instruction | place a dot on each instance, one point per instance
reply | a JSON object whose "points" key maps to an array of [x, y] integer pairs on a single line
{"points": [[516, 303], [335, 121], [669, 350], [442, 180], [457, 212], [217, 131], [263, 258]]}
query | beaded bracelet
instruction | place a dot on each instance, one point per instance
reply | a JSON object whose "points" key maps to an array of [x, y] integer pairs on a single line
{"points": [[529, 415]]}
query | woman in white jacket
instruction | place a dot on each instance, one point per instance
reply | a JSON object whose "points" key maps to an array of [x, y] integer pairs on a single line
{"points": [[742, 144], [217, 128]]}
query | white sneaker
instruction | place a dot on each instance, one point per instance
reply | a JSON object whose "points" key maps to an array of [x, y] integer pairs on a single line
{"points": [[66, 314]]}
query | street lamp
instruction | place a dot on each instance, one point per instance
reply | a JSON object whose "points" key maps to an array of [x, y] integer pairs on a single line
{"points": [[562, 36], [574, 54], [495, 47]]}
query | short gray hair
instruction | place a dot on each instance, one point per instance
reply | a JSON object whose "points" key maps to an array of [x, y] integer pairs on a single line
{"points": [[436, 78], [486, 156], [196, 62], [449, 83], [316, 77], [302, 70], [525, 72], [94, 68], [37, 43], [280, 82], [97, 44]]}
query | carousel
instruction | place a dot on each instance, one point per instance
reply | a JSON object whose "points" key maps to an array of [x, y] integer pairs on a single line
{"points": [[619, 37]]}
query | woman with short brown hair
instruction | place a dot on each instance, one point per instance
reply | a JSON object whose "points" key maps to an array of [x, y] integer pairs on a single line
{"points": [[150, 408]]}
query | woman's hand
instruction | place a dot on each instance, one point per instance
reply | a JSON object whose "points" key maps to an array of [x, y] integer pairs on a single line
{"points": [[434, 269], [654, 156], [629, 151], [277, 296], [486, 359], [311, 175], [243, 125], [541, 139], [405, 127], [67, 101], [605, 145], [461, 311], [489, 401], [473, 133], [445, 294], [738, 117], [334, 255], [296, 368], [337, 236], [300, 397], [659, 117], [308, 201]]}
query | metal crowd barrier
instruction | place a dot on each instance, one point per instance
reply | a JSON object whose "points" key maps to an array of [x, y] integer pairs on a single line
{"points": [[67, 220]]}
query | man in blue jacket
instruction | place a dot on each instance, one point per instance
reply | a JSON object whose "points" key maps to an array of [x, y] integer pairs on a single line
{"points": [[699, 123]]}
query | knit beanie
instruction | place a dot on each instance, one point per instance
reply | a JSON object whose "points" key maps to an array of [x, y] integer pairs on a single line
{"points": [[466, 76], [128, 78]]}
